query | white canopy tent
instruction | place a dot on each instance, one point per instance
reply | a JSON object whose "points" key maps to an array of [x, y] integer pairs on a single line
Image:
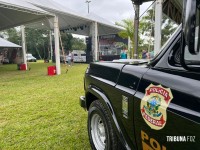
{"points": [[17, 12], [5, 44], [53, 16], [72, 22]]}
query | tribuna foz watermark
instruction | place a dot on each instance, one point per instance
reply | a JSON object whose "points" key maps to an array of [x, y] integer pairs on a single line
{"points": [[180, 138]]}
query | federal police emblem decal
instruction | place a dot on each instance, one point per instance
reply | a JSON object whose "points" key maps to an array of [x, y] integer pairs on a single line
{"points": [[154, 106]]}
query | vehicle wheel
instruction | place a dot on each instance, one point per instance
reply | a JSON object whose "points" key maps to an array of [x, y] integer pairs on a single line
{"points": [[100, 131]]}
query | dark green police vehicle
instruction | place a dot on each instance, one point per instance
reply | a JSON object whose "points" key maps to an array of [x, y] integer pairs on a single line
{"points": [[154, 106]]}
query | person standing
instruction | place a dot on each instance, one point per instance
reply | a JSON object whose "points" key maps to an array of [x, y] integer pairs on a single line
{"points": [[69, 58], [144, 54], [123, 55]]}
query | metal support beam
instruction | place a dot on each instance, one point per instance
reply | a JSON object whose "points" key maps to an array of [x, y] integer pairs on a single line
{"points": [[96, 41], [136, 28], [158, 25], [57, 47], [24, 45]]}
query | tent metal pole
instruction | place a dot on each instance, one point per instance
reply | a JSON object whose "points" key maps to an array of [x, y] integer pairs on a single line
{"points": [[129, 46], [50, 41], [158, 24], [136, 28], [24, 45], [57, 47]]}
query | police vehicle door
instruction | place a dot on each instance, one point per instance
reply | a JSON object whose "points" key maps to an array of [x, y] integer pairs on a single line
{"points": [[167, 103]]}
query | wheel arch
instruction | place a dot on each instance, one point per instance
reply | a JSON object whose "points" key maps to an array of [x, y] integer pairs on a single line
{"points": [[94, 93]]}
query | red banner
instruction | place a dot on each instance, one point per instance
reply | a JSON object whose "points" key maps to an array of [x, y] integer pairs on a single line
{"points": [[151, 120], [160, 91]]}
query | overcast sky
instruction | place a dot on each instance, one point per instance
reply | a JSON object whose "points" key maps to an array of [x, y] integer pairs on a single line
{"points": [[112, 10]]}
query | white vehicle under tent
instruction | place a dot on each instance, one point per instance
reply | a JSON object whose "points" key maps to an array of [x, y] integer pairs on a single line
{"points": [[79, 55], [10, 52]]}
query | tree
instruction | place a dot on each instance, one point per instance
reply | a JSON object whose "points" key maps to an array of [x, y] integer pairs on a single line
{"points": [[66, 41], [12, 35], [78, 44], [38, 42], [71, 43], [128, 32], [168, 28], [128, 26], [147, 28]]}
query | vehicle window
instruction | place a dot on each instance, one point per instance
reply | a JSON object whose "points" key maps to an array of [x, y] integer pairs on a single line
{"points": [[190, 59], [83, 54], [75, 54]]}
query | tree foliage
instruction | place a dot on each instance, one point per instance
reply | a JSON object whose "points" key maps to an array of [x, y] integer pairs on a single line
{"points": [[66, 41], [128, 31], [146, 30], [78, 44], [38, 41], [12, 35], [71, 43]]}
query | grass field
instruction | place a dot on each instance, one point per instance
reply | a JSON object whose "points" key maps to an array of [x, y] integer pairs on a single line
{"points": [[42, 112]]}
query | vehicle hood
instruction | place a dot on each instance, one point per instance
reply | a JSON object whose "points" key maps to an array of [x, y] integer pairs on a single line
{"points": [[131, 61]]}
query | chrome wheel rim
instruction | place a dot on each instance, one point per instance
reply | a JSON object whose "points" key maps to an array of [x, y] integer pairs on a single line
{"points": [[98, 132]]}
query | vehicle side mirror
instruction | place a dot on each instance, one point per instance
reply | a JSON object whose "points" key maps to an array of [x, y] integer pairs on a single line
{"points": [[190, 56], [189, 26]]}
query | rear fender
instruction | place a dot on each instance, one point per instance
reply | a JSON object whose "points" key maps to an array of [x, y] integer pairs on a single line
{"points": [[99, 94]]}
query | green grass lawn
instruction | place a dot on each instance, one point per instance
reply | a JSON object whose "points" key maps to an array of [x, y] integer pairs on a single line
{"points": [[42, 112]]}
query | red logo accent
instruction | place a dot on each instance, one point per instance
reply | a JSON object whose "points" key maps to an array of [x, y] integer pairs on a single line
{"points": [[158, 123], [160, 91]]}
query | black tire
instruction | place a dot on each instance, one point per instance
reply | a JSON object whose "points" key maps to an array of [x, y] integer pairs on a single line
{"points": [[98, 113]]}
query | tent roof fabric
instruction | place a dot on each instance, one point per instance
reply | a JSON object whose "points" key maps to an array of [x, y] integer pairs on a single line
{"points": [[22, 6], [70, 20], [139, 2], [17, 12], [7, 44]]}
